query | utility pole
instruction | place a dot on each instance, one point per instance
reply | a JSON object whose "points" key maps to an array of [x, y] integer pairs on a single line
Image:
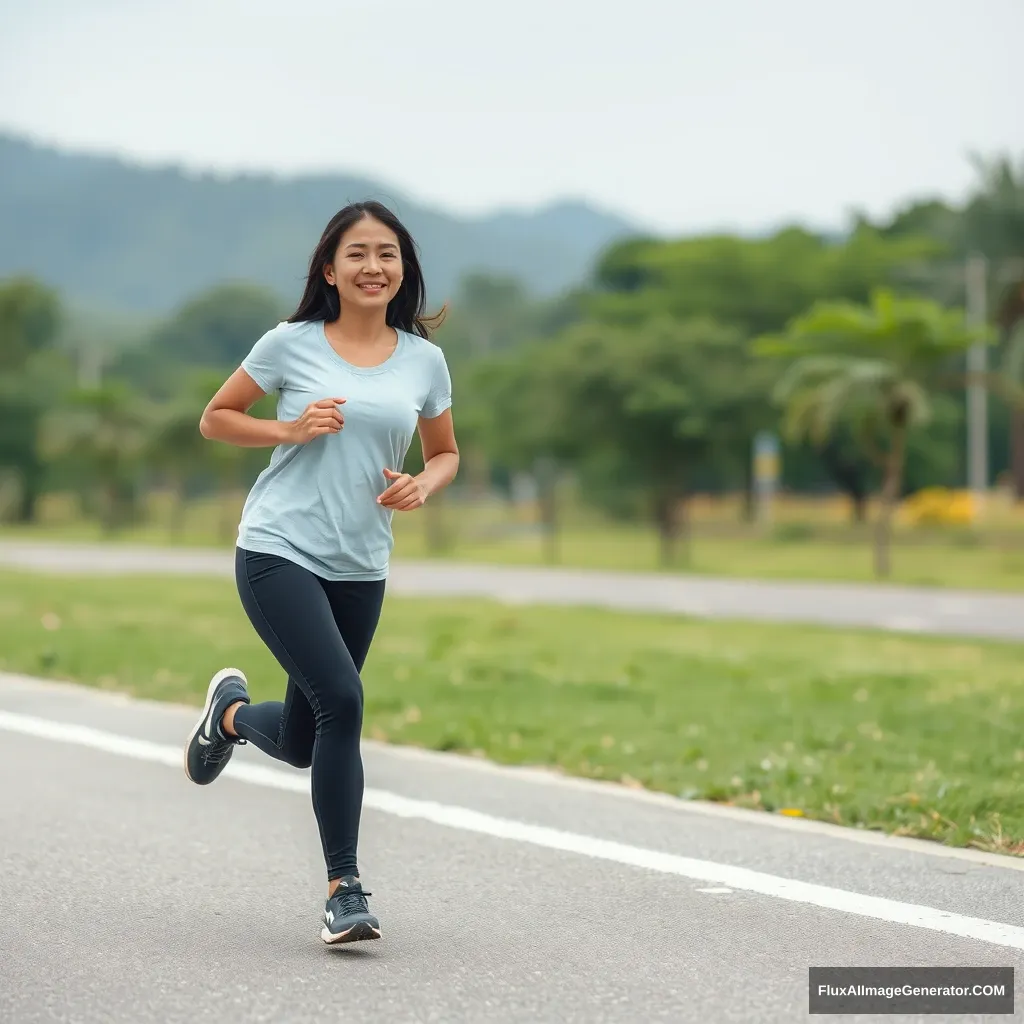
{"points": [[977, 398]]}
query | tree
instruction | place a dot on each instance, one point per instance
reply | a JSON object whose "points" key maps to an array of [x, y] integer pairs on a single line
{"points": [[994, 225], [176, 446], [103, 431], [994, 216], [515, 418], [929, 218], [29, 320], [848, 470], [991, 223], [214, 330], [490, 320], [30, 381], [756, 285], [652, 406], [1011, 388], [490, 314], [874, 368]]}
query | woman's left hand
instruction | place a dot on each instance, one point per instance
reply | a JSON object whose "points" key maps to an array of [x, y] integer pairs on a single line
{"points": [[404, 494]]}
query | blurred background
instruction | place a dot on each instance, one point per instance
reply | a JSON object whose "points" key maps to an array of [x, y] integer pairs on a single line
{"points": [[734, 289]]}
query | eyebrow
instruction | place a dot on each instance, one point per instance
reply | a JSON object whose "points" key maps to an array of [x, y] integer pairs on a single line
{"points": [[363, 245]]}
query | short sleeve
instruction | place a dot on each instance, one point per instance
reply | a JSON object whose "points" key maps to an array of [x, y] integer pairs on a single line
{"points": [[439, 397], [265, 361]]}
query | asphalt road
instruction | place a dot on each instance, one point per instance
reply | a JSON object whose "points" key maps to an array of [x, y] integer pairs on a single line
{"points": [[129, 895], [897, 608]]}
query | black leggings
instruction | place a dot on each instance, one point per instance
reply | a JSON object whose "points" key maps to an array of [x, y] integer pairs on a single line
{"points": [[320, 631]]}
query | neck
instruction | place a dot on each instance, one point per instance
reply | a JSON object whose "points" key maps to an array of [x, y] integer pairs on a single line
{"points": [[361, 325]]}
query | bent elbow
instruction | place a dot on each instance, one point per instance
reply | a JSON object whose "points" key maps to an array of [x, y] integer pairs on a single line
{"points": [[205, 426]]}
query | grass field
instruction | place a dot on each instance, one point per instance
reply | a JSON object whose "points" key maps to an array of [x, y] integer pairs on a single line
{"points": [[909, 735]]}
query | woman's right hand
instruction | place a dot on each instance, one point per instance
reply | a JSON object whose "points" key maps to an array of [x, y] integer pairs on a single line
{"points": [[317, 418]]}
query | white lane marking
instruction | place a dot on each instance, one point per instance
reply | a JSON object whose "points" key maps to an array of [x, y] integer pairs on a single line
{"points": [[706, 871], [539, 776]]}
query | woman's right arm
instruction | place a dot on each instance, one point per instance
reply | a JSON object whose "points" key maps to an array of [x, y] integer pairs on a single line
{"points": [[226, 417]]}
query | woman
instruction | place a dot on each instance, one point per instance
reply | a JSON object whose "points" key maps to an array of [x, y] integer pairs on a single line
{"points": [[355, 375]]}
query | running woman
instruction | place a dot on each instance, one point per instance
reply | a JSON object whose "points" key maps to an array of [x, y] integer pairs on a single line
{"points": [[355, 375]]}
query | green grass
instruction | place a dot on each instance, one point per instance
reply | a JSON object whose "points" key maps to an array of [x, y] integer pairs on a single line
{"points": [[909, 735], [936, 563]]}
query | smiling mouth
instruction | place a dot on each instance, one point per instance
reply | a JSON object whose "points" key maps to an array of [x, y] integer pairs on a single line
{"points": [[373, 288]]}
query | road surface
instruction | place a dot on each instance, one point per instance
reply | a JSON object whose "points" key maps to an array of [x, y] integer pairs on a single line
{"points": [[129, 895], [902, 609]]}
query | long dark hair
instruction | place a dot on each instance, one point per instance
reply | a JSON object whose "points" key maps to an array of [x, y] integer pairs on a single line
{"points": [[406, 311]]}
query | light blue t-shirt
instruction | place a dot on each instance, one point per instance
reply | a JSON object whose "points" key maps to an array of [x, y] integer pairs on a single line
{"points": [[316, 503]]}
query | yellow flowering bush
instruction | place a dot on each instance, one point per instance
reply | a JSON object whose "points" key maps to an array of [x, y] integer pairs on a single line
{"points": [[939, 506]]}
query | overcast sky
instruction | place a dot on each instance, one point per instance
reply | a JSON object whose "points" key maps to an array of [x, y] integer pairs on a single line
{"points": [[679, 114]]}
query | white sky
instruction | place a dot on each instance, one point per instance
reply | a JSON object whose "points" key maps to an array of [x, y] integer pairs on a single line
{"points": [[679, 114]]}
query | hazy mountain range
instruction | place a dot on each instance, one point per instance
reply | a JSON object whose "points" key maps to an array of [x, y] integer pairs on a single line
{"points": [[113, 234]]}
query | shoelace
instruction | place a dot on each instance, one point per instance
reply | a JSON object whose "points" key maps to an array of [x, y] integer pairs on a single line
{"points": [[219, 748], [216, 752], [351, 901]]}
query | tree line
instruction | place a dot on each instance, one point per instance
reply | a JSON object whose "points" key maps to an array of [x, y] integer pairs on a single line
{"points": [[648, 383]]}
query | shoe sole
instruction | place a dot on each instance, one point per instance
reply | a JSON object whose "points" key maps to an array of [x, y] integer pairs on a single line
{"points": [[359, 932], [224, 673]]}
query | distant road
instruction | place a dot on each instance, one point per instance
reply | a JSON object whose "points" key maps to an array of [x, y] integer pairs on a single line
{"points": [[901, 609]]}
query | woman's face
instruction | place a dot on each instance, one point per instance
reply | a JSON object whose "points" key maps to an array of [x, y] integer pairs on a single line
{"points": [[367, 268]]}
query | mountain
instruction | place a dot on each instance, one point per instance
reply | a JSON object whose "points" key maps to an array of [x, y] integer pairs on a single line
{"points": [[111, 233]]}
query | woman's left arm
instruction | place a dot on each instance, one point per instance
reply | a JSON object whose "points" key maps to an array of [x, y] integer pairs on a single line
{"points": [[440, 464], [440, 452]]}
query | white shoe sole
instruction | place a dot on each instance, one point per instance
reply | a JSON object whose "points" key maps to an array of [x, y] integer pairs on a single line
{"points": [[223, 674], [357, 933]]}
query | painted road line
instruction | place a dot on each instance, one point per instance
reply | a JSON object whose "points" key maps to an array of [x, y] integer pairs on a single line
{"points": [[537, 775], [708, 872]]}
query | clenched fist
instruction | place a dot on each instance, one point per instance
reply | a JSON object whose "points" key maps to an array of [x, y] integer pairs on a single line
{"points": [[317, 418]]}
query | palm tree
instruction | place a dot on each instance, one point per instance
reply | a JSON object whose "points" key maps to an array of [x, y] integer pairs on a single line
{"points": [[872, 368]]}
